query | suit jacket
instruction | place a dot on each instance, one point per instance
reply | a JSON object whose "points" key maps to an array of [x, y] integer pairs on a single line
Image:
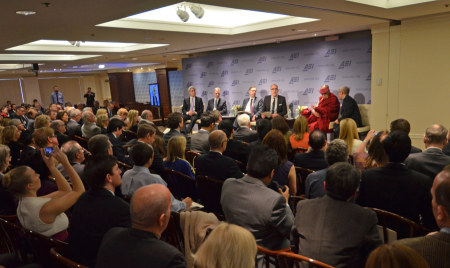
{"points": [[245, 134], [173, 133], [314, 184], [14, 148], [221, 106], [30, 124], [431, 162], [25, 150], [200, 142], [252, 145], [73, 128], [236, 150], [89, 130], [61, 138], [350, 109], [117, 148], [94, 213], [187, 106], [416, 150], [398, 189], [217, 166], [340, 233], [314, 160], [446, 149], [257, 106], [269, 221], [433, 248], [130, 247], [281, 109], [90, 99]]}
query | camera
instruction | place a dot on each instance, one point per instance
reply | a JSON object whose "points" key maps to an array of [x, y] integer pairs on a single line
{"points": [[275, 186], [48, 151]]}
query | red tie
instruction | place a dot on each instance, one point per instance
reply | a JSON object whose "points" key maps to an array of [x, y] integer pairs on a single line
{"points": [[251, 107]]}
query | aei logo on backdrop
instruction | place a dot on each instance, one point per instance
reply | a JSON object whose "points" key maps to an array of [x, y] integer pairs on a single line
{"points": [[294, 56], [247, 94], [235, 82], [330, 52], [188, 66], [204, 93], [262, 81], [345, 63], [276, 69], [224, 73], [308, 91], [261, 59], [293, 80], [233, 62], [249, 71], [210, 64], [369, 50], [225, 93], [188, 84], [308, 67], [294, 102], [211, 83], [369, 78], [236, 102], [203, 74], [331, 77]]}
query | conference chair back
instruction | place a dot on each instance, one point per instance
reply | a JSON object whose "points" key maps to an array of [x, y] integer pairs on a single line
{"points": [[293, 201], [180, 185], [210, 190], [269, 256], [63, 261], [302, 173], [81, 141], [288, 260], [173, 233], [12, 239], [190, 157]]}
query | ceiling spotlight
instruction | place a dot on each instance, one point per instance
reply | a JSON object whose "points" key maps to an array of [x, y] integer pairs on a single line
{"points": [[25, 13], [101, 66], [197, 10], [182, 14], [75, 43]]}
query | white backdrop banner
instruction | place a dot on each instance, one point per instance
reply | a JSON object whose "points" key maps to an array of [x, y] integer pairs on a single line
{"points": [[299, 71]]}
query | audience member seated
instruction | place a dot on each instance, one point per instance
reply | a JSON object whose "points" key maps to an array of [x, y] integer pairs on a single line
{"points": [[235, 149], [102, 111], [435, 246], [133, 120], [263, 126], [158, 145], [19, 115], [403, 125], [63, 116], [42, 121], [73, 127], [395, 256], [314, 159], [376, 157], [59, 128], [75, 155], [215, 165], [280, 124], [147, 117], [446, 149], [97, 210], [140, 245], [7, 205], [199, 140], [140, 175], [31, 116], [349, 134], [284, 174], [102, 123], [217, 118], [341, 233], [123, 113], [146, 134], [114, 130], [26, 138], [336, 151], [396, 188], [44, 214], [244, 132], [89, 128], [16, 123], [45, 137], [432, 160], [270, 221], [100, 144], [10, 136], [175, 156], [229, 246], [300, 137], [175, 123]]}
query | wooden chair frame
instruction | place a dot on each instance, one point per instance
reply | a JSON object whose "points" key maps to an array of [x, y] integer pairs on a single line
{"points": [[270, 253], [295, 151], [82, 141], [182, 186], [293, 201], [190, 157], [286, 258], [11, 238], [302, 173], [210, 190], [65, 262]]}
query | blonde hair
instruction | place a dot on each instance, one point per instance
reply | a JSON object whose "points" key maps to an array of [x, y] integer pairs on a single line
{"points": [[101, 111], [41, 135], [5, 122], [16, 181], [175, 148], [122, 111], [1, 134], [395, 255], [41, 121], [300, 127], [348, 132], [228, 246], [131, 115], [101, 120], [8, 134], [4, 153]]}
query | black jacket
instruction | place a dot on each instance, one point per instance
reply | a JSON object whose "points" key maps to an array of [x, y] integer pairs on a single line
{"points": [[117, 149], [217, 166], [314, 160], [350, 109]]}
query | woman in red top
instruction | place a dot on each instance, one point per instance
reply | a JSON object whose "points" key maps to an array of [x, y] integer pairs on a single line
{"points": [[4, 112], [300, 138]]}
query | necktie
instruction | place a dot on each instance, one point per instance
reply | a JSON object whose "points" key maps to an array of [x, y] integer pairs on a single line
{"points": [[273, 106], [56, 96], [251, 107], [215, 104], [192, 104]]}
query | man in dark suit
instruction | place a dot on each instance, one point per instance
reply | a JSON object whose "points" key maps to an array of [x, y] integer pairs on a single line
{"points": [[396, 188], [114, 130], [263, 127], [97, 210], [192, 109], [214, 164], [244, 132], [314, 159], [73, 128], [403, 125], [269, 221], [90, 96], [341, 233], [96, 107], [59, 128], [275, 104], [130, 247], [111, 109], [19, 115], [217, 103], [432, 160], [252, 105], [200, 140], [26, 138], [31, 116], [175, 123], [446, 149], [235, 149], [349, 109]]}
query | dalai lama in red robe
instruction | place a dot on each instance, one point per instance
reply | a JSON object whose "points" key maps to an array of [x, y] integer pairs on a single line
{"points": [[326, 111]]}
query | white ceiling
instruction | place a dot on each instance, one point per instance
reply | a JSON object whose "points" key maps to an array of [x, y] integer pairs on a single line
{"points": [[77, 20]]}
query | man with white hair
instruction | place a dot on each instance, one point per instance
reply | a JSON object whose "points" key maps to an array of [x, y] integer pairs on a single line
{"points": [[73, 128], [244, 132], [59, 128], [75, 155], [217, 103], [89, 128]]}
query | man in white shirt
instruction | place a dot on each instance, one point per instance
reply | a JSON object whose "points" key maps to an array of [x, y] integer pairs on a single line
{"points": [[275, 104], [217, 103], [192, 108]]}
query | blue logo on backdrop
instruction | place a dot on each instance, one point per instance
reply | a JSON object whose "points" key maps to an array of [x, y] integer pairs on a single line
{"points": [[276, 69], [261, 59], [211, 83], [204, 93], [295, 102], [369, 50], [235, 61], [247, 94], [249, 71], [330, 78], [308, 67], [294, 56], [224, 73], [188, 66], [308, 91], [345, 63], [330, 52], [237, 102], [188, 84], [210, 64], [203, 74], [369, 77], [225, 93], [235, 82], [369, 102], [262, 81], [293, 80]]}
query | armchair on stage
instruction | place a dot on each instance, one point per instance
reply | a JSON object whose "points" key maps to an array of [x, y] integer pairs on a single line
{"points": [[364, 109]]}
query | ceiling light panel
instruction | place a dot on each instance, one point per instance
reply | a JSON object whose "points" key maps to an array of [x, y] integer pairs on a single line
{"points": [[390, 3], [61, 45], [43, 57], [216, 20], [15, 66]]}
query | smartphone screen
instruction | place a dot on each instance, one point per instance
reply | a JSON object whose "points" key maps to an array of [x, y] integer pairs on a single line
{"points": [[48, 150]]}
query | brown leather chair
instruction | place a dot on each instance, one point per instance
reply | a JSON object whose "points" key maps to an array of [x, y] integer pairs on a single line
{"points": [[63, 261], [286, 259], [271, 255], [302, 173]]}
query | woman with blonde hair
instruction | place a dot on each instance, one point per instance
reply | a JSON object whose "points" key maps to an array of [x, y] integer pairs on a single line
{"points": [[123, 113], [102, 122], [133, 120], [228, 246], [300, 138], [175, 159], [101, 111], [41, 121], [10, 135], [7, 205], [395, 255], [349, 134]]}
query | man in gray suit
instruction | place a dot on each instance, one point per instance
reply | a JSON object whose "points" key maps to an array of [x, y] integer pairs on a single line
{"points": [[432, 160], [75, 155], [73, 128], [249, 203], [333, 230], [200, 140], [244, 132], [89, 128]]}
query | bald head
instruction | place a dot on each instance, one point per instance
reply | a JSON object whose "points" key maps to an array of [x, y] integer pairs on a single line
{"points": [[216, 139], [148, 204], [436, 135]]}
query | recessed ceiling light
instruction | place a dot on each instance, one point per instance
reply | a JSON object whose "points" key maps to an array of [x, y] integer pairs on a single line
{"points": [[128, 70], [134, 58], [255, 43], [25, 13], [101, 66], [315, 34], [301, 30], [142, 68]]}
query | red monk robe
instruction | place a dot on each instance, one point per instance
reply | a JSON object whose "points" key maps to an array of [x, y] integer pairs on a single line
{"points": [[328, 110]]}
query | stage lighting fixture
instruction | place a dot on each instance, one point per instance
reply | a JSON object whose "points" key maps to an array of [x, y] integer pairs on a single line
{"points": [[182, 14], [197, 10]]}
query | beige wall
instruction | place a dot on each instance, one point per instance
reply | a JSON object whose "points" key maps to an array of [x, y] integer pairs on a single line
{"points": [[10, 91]]}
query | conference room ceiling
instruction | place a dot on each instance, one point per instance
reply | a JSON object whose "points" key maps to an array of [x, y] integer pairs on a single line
{"points": [[77, 21]]}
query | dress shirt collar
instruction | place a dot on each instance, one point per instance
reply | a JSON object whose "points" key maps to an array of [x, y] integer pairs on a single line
{"points": [[204, 130], [141, 169], [432, 147], [111, 192], [445, 230]]}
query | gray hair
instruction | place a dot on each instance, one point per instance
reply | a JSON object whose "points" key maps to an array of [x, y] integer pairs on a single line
{"points": [[74, 113], [86, 115], [144, 114], [4, 153], [56, 124], [189, 89], [342, 180], [71, 149], [217, 88], [99, 144], [345, 90], [14, 122], [87, 109], [243, 120], [337, 151], [436, 134]]}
